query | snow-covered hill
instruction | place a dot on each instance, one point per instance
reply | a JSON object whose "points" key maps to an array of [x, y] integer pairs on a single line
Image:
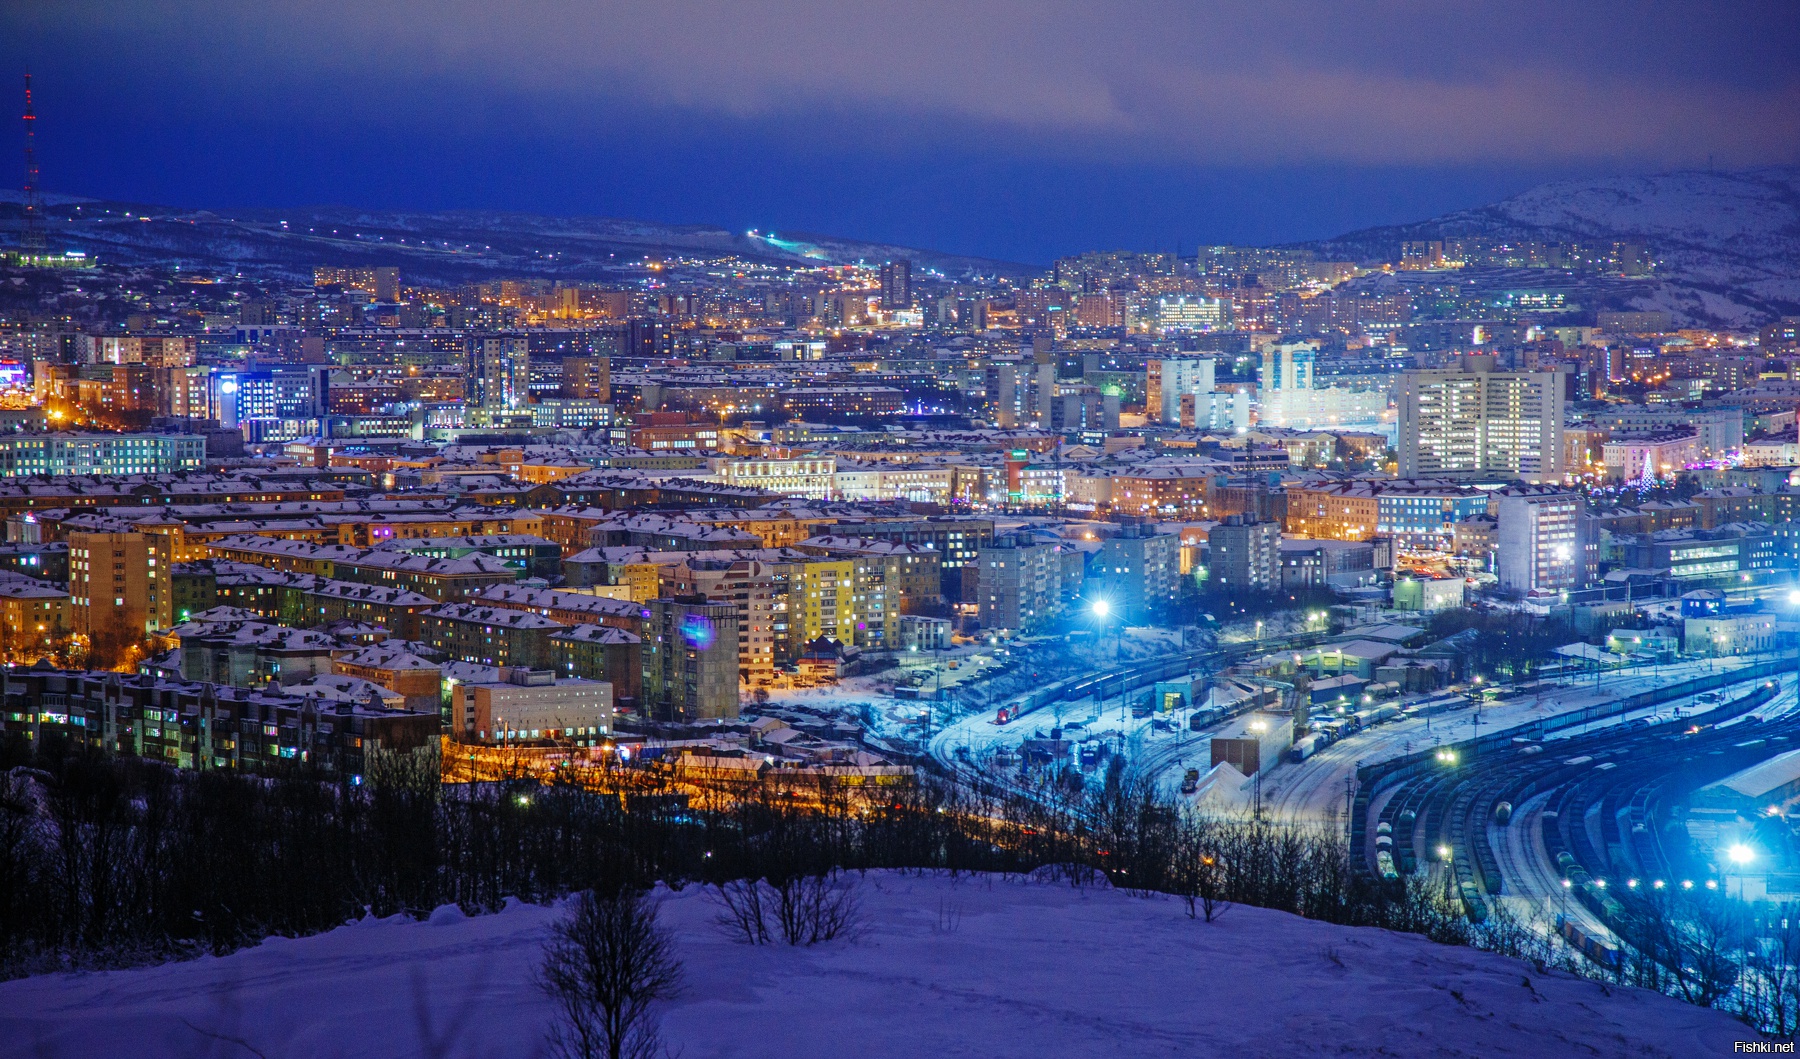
{"points": [[1727, 243], [979, 967], [445, 246]]}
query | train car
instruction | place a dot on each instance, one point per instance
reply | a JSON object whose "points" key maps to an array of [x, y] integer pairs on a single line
{"points": [[1384, 863], [1596, 950], [1006, 715], [1474, 906], [1303, 748]]}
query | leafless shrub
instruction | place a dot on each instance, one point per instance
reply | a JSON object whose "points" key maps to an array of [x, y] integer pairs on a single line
{"points": [[605, 967], [814, 908], [949, 918], [741, 909]]}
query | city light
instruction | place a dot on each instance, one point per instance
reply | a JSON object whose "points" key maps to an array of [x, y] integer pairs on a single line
{"points": [[1101, 608], [1740, 853]]}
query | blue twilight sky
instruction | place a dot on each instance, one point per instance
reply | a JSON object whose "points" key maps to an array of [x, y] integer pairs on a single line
{"points": [[1019, 129]]}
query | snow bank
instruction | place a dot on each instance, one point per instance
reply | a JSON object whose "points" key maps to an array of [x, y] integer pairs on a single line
{"points": [[980, 966]]}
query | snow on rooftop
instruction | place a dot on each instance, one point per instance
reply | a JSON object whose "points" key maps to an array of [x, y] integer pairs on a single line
{"points": [[981, 966], [1759, 779]]}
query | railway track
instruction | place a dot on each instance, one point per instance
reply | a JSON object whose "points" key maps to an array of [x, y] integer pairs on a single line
{"points": [[1584, 833]]}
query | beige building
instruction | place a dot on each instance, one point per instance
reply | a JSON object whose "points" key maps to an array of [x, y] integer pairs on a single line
{"points": [[528, 704], [119, 585]]}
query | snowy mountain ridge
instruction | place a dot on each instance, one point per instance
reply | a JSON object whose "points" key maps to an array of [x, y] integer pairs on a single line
{"points": [[1727, 243]]}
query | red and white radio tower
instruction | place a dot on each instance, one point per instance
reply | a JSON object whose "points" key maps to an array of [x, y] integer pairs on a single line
{"points": [[31, 236]]}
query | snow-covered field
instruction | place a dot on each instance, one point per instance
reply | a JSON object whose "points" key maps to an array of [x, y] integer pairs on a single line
{"points": [[981, 966]]}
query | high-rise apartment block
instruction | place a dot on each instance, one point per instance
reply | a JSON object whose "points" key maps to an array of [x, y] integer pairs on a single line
{"points": [[1244, 555], [1539, 547], [1020, 582], [1474, 421], [1168, 379], [499, 371], [587, 377], [691, 659], [896, 285]]}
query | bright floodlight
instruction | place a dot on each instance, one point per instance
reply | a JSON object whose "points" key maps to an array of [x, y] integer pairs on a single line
{"points": [[1741, 854], [1101, 607], [1794, 597]]}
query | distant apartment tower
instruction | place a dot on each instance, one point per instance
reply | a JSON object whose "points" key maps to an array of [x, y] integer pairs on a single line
{"points": [[387, 284], [1244, 555], [1168, 379], [896, 285], [1288, 367], [587, 377], [1423, 253], [1473, 421], [119, 587], [691, 659], [499, 371], [1538, 547], [1139, 570], [1019, 582]]}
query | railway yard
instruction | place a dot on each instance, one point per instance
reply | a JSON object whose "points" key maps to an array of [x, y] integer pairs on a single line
{"points": [[1559, 802]]}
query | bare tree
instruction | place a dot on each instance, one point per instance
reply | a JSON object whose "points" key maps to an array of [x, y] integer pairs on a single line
{"points": [[810, 908], [605, 967], [741, 911]]}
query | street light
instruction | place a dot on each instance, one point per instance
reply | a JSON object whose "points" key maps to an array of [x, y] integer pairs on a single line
{"points": [[1101, 608], [1741, 854]]}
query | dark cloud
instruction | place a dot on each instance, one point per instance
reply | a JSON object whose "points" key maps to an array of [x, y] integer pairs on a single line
{"points": [[1150, 87]]}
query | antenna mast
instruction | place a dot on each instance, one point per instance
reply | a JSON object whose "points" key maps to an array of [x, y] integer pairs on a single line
{"points": [[31, 238]]}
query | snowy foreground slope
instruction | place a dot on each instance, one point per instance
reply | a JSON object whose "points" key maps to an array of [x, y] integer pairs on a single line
{"points": [[980, 966]]}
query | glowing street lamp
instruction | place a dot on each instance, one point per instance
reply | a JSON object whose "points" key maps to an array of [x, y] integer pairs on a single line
{"points": [[1101, 608], [1740, 854]]}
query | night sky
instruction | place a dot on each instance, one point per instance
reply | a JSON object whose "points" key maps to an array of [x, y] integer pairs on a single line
{"points": [[1018, 130]]}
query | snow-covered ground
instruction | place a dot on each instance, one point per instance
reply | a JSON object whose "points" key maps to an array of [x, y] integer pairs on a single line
{"points": [[979, 967]]}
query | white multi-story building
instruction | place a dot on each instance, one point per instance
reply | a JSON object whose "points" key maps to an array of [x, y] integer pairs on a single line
{"points": [[812, 477], [1168, 379], [856, 480], [1192, 312], [1289, 395], [62, 455], [1288, 367], [1539, 530], [1657, 456], [1473, 420], [534, 704], [1720, 431]]}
